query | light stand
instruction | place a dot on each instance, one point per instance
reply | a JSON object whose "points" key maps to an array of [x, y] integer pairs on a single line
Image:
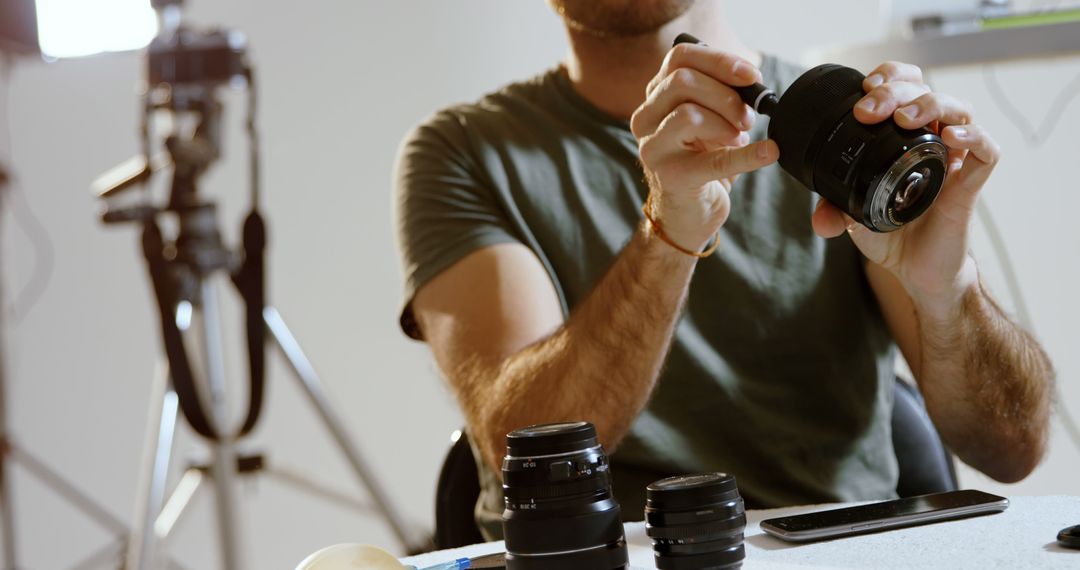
{"points": [[12, 453], [7, 512]]}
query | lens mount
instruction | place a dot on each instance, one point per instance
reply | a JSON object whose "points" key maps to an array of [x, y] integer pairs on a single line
{"points": [[908, 188]]}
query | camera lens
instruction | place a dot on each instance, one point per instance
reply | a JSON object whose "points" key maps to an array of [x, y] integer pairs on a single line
{"points": [[696, 522], [883, 176], [560, 511]]}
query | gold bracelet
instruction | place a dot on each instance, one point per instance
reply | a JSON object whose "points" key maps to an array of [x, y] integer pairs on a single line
{"points": [[664, 237]]}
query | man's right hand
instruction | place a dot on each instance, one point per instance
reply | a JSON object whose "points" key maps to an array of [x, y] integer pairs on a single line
{"points": [[693, 141]]}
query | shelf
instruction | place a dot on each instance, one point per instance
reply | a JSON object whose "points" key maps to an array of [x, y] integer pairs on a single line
{"points": [[967, 48]]}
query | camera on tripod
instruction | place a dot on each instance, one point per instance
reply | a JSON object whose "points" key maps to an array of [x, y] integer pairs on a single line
{"points": [[197, 58], [185, 68], [183, 56]]}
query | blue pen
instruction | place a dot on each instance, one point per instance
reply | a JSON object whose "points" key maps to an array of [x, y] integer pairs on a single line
{"points": [[497, 560], [459, 564]]}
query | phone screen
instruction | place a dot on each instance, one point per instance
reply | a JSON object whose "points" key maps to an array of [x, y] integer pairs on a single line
{"points": [[900, 508]]}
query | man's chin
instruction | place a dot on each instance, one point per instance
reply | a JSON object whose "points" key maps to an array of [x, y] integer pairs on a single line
{"points": [[620, 18]]}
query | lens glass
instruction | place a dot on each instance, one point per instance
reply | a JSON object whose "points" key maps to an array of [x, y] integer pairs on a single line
{"points": [[560, 512], [913, 190]]}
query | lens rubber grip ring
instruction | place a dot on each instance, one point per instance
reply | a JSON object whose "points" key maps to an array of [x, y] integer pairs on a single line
{"points": [[683, 532]]}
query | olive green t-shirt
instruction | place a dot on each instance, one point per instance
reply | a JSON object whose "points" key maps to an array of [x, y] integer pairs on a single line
{"points": [[781, 368]]}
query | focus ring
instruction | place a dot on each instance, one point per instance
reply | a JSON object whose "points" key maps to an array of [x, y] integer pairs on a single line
{"points": [[658, 517], [807, 107], [682, 532], [556, 491]]}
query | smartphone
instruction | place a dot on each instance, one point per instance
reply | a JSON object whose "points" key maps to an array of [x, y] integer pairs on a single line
{"points": [[884, 516]]}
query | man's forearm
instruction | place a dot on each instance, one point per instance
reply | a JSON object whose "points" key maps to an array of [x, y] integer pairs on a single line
{"points": [[987, 385], [600, 366]]}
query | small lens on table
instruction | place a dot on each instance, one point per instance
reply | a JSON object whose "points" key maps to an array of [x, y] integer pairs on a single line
{"points": [[696, 522]]}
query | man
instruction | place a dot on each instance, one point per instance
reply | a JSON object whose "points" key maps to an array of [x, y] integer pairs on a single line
{"points": [[546, 296]]}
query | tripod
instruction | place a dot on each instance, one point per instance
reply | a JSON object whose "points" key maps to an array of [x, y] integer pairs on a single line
{"points": [[184, 68], [156, 516]]}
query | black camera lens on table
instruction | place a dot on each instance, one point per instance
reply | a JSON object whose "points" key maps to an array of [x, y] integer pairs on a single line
{"points": [[696, 522], [882, 175], [560, 511]]}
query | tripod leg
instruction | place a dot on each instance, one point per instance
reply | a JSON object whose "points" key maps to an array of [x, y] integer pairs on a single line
{"points": [[178, 503], [223, 466], [7, 510], [104, 555], [316, 489], [157, 452], [310, 383], [67, 491]]}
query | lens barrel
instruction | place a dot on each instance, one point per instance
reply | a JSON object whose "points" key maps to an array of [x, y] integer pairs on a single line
{"points": [[882, 175], [696, 522], [560, 512]]}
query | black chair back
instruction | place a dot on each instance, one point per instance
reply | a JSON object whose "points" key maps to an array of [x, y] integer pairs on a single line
{"points": [[456, 495], [926, 466]]}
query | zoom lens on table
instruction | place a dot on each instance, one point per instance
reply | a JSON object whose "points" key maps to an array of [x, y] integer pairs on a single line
{"points": [[560, 512]]}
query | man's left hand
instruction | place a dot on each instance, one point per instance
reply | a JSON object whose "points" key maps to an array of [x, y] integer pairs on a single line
{"points": [[929, 255]]}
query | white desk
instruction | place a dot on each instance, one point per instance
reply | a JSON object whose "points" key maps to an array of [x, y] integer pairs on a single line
{"points": [[1024, 536]]}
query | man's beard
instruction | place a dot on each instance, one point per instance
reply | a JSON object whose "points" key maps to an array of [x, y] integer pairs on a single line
{"points": [[620, 18]]}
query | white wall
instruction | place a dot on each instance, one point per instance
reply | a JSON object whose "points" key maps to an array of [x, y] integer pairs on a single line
{"points": [[341, 82]]}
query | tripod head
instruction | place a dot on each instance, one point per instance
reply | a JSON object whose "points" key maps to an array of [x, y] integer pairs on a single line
{"points": [[185, 70], [198, 246]]}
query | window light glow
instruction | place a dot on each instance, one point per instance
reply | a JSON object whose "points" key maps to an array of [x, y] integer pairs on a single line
{"points": [[71, 28]]}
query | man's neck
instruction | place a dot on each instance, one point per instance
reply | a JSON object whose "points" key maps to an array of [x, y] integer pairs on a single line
{"points": [[612, 73]]}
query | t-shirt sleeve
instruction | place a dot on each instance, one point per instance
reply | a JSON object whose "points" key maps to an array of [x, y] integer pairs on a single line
{"points": [[445, 208]]}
